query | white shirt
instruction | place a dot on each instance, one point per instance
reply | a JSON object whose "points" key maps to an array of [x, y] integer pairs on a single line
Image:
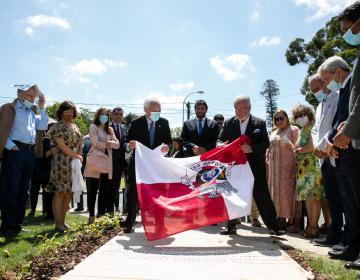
{"points": [[175, 153], [243, 125], [202, 122], [115, 125], [323, 105]]}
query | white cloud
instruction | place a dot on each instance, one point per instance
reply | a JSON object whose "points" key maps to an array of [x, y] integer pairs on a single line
{"points": [[100, 97], [29, 31], [231, 67], [257, 4], [256, 15], [95, 85], [64, 5], [266, 41], [167, 102], [47, 21], [93, 66], [180, 86], [113, 63], [323, 8]]}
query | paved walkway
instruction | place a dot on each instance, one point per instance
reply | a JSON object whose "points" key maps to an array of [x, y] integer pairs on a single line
{"points": [[195, 254]]}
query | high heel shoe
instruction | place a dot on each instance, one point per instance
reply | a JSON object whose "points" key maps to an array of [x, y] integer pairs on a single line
{"points": [[308, 233]]}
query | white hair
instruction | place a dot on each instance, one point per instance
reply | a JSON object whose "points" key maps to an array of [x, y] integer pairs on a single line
{"points": [[242, 97], [149, 100], [316, 77], [333, 63]]}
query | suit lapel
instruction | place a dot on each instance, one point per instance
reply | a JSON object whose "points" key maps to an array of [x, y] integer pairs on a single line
{"points": [[237, 126], [250, 126]]}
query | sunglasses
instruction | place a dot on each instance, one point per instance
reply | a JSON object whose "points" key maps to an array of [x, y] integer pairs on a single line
{"points": [[279, 119], [299, 116]]}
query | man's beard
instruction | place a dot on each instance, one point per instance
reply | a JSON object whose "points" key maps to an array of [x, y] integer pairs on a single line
{"points": [[200, 115], [243, 118]]}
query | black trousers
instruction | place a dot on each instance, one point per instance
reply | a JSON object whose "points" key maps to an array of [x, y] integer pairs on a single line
{"points": [[265, 206], [34, 190], [47, 202], [132, 202], [114, 189], [104, 182]]}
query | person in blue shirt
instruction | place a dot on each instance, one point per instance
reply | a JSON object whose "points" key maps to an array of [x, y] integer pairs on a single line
{"points": [[18, 155]]}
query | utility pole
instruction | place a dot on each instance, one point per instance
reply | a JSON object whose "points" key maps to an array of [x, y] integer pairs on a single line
{"points": [[188, 110]]}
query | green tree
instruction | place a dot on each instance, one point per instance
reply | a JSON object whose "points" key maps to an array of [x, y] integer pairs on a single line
{"points": [[270, 91], [326, 43], [127, 119], [176, 131]]}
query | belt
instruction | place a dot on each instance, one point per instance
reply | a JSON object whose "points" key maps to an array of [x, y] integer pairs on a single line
{"points": [[29, 146]]}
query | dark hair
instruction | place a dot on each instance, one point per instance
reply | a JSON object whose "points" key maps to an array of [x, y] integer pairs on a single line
{"points": [[97, 122], [117, 108], [200, 102], [351, 13], [274, 122], [181, 147], [218, 117], [66, 105]]}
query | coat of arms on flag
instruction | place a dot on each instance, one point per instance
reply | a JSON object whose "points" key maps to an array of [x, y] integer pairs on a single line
{"points": [[176, 195]]}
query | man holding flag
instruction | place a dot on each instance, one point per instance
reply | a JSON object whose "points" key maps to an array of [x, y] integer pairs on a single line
{"points": [[243, 123]]}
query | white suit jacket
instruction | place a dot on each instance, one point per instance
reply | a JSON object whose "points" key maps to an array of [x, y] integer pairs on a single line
{"points": [[323, 124]]}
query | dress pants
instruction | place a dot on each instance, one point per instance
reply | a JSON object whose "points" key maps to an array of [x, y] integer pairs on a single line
{"points": [[103, 191], [16, 171], [114, 188], [47, 203], [34, 190], [264, 204], [132, 202], [254, 211]]}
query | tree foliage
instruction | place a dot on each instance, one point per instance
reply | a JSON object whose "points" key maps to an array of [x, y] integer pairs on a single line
{"points": [[127, 119], [326, 43], [270, 90], [176, 131]]}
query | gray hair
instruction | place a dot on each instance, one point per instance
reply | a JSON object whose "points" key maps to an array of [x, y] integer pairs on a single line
{"points": [[333, 63], [316, 77], [149, 100], [242, 97]]}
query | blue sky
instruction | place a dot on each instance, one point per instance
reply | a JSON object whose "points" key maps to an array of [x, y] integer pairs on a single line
{"points": [[119, 52]]}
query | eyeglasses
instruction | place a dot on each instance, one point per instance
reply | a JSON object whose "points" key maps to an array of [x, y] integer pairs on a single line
{"points": [[279, 119], [299, 116]]}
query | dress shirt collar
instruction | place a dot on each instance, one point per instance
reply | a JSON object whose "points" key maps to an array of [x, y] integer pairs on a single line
{"points": [[203, 119], [115, 125], [149, 121], [245, 122], [19, 104], [346, 80]]}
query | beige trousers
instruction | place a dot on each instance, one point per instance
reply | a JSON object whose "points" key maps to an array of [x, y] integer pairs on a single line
{"points": [[254, 211]]}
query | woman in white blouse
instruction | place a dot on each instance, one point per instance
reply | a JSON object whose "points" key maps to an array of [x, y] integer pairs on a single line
{"points": [[178, 151]]}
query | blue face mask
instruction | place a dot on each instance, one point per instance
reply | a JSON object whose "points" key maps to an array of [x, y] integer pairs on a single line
{"points": [[334, 86], [320, 95], [351, 38], [87, 141], [104, 119], [155, 116], [27, 104]]}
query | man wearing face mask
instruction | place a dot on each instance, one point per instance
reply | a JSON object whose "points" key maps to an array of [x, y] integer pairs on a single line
{"points": [[332, 185], [220, 120], [199, 135], [150, 130], [17, 142]]}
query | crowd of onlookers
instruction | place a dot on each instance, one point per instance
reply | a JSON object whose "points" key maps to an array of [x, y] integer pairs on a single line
{"points": [[308, 163]]}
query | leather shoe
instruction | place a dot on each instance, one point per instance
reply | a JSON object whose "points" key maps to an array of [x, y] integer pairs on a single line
{"points": [[329, 240], [129, 230], [339, 247], [228, 231], [276, 232], [8, 234], [238, 221], [255, 223], [79, 209], [344, 254], [354, 264], [20, 228]]}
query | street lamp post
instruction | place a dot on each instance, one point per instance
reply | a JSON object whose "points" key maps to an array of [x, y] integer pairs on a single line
{"points": [[200, 92]]}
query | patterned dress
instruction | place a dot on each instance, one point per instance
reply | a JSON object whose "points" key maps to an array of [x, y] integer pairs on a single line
{"points": [[309, 179], [61, 170], [281, 170]]}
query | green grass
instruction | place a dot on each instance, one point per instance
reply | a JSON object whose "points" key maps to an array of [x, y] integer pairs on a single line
{"points": [[332, 269], [23, 244]]}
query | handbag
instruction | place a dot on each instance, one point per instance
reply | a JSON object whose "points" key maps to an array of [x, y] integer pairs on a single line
{"points": [[98, 161]]}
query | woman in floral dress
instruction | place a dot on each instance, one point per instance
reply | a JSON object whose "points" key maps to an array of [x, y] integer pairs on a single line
{"points": [[309, 179]]}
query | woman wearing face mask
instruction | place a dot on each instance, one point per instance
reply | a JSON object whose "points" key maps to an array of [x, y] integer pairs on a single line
{"points": [[101, 136], [281, 167], [309, 186], [67, 139]]}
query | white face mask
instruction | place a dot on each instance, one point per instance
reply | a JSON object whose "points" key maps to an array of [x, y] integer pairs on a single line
{"points": [[302, 121]]}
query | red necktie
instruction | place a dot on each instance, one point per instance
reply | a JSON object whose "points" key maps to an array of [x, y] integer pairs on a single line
{"points": [[118, 134]]}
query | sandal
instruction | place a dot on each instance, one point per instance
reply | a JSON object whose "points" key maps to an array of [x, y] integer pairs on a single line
{"points": [[308, 234]]}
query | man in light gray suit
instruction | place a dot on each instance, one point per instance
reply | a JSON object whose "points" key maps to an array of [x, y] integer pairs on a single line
{"points": [[325, 113]]}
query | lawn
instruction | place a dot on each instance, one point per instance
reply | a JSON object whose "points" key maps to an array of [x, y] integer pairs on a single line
{"points": [[24, 243]]}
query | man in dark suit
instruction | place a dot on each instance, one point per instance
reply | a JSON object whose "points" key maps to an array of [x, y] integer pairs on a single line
{"points": [[199, 135], [118, 158], [151, 131], [245, 123]]}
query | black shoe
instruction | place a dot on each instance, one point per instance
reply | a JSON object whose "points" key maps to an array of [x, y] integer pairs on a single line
{"points": [[329, 241], [344, 254], [228, 231], [354, 264], [214, 225], [8, 234], [20, 228], [31, 213], [129, 230], [276, 232], [79, 209]]}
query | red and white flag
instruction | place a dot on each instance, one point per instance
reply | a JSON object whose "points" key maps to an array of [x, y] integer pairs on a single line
{"points": [[177, 195]]}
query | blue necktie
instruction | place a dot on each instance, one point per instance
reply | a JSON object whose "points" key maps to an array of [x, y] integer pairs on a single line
{"points": [[151, 133], [200, 127]]}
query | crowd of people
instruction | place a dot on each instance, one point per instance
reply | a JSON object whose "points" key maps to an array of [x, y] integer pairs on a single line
{"points": [[312, 157]]}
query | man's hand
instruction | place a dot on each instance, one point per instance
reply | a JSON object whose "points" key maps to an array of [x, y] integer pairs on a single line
{"points": [[340, 126], [41, 101], [334, 153], [201, 151], [15, 148], [246, 148], [341, 140], [165, 149], [320, 154], [195, 150], [223, 144], [132, 144], [328, 148]]}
